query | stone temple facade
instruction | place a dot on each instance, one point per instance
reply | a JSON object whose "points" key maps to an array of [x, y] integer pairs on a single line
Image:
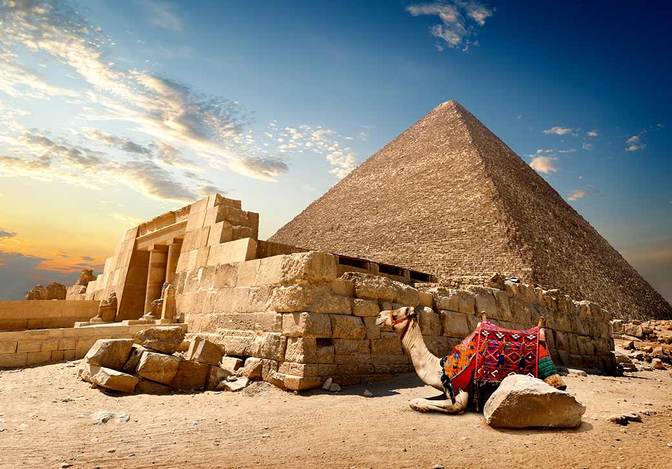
{"points": [[310, 315], [449, 198]]}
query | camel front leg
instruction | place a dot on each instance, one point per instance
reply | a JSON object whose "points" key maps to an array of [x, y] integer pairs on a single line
{"points": [[445, 406]]}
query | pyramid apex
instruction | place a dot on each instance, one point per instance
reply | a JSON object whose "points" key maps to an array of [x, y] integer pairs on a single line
{"points": [[451, 103]]}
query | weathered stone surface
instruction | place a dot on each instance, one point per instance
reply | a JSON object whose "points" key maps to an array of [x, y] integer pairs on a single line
{"points": [[158, 367], [216, 375], [108, 378], [131, 364], [297, 268], [161, 339], [429, 321], [350, 346], [294, 383], [150, 387], [522, 401], [110, 353], [425, 299], [347, 327], [252, 368], [310, 298], [190, 375], [231, 364], [85, 276], [453, 300], [237, 384], [634, 330], [306, 325], [204, 351], [454, 324], [269, 345], [372, 287], [368, 308], [308, 350]]}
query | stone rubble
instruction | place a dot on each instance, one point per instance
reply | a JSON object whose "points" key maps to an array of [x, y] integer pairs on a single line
{"points": [[643, 346], [53, 291], [120, 365]]}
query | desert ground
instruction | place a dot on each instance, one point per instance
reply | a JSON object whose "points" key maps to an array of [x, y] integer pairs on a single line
{"points": [[46, 420]]}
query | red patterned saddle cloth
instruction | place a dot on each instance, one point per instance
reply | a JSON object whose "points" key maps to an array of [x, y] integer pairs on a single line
{"points": [[491, 353]]}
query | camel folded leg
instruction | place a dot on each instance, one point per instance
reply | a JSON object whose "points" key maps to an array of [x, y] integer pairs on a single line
{"points": [[445, 406]]}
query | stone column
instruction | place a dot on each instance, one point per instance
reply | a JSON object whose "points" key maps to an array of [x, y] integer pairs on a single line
{"points": [[156, 275], [174, 250]]}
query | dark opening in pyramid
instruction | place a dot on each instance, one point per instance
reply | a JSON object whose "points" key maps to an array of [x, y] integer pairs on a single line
{"points": [[448, 197]]}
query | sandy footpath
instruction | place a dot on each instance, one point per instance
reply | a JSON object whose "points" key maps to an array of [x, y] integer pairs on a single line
{"points": [[46, 416]]}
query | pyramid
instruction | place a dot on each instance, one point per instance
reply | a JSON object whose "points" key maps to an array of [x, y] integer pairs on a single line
{"points": [[449, 198]]}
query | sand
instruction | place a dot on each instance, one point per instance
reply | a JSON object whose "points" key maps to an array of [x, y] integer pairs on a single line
{"points": [[46, 416]]}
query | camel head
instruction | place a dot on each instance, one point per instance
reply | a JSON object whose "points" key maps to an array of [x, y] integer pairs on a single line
{"points": [[398, 319]]}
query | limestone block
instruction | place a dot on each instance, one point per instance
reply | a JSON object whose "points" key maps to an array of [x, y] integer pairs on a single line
{"points": [[220, 232], [372, 329], [57, 356], [520, 312], [429, 321], [158, 367], [355, 366], [522, 401], [301, 369], [28, 346], [145, 386], [454, 324], [252, 368], [34, 358], [166, 339], [226, 275], [306, 325], [294, 383], [308, 350], [486, 302], [231, 364], [453, 300], [425, 299], [298, 268], [270, 345], [13, 360], [573, 344], [386, 346], [216, 375], [343, 287], [108, 378], [441, 345], [190, 375], [234, 251], [131, 364], [269, 321], [235, 342], [110, 353], [351, 346], [310, 298], [365, 307], [8, 346], [585, 345], [405, 294], [268, 367], [503, 306], [347, 327], [203, 351], [372, 287]]}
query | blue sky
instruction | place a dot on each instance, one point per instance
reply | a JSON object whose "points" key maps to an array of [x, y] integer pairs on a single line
{"points": [[113, 112]]}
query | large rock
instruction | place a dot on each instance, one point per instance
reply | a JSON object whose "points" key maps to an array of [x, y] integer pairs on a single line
{"points": [[204, 351], [522, 401], [108, 378], [158, 367], [161, 339], [190, 375], [110, 353], [85, 277]]}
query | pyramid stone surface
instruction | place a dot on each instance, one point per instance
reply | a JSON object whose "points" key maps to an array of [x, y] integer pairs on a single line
{"points": [[449, 198]]}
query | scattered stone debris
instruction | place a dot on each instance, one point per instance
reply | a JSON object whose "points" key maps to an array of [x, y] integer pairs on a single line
{"points": [[53, 291], [327, 384], [574, 372], [335, 387], [367, 393], [625, 419], [644, 346], [522, 401], [104, 416], [152, 365]]}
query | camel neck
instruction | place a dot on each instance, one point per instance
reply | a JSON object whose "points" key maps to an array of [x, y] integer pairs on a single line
{"points": [[426, 364]]}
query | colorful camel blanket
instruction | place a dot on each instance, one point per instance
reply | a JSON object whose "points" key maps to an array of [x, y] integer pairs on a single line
{"points": [[491, 353]]}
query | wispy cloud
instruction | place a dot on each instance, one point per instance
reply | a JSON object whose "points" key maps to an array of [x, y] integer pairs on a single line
{"points": [[634, 143], [163, 15], [594, 133], [557, 130], [577, 194], [543, 164], [460, 21], [4, 234]]}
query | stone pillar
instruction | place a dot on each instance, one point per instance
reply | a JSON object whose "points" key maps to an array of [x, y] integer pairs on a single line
{"points": [[156, 275], [174, 250]]}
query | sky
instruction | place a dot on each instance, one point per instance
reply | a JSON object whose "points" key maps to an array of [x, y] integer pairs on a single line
{"points": [[114, 112]]}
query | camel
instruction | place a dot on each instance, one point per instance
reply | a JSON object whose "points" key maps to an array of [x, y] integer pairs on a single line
{"points": [[429, 367]]}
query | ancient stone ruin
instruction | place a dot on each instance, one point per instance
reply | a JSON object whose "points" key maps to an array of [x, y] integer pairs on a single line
{"points": [[449, 198]]}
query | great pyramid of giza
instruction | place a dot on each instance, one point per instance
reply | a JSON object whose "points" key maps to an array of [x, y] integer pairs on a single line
{"points": [[448, 197]]}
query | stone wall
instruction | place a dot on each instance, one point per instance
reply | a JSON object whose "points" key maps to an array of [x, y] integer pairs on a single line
{"points": [[37, 347], [44, 314], [307, 321]]}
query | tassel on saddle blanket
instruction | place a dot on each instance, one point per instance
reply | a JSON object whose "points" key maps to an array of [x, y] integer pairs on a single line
{"points": [[491, 353]]}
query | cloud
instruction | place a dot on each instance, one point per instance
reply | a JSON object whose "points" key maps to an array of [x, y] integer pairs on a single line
{"points": [[123, 144], [560, 131], [577, 194], [20, 272], [459, 21], [592, 133], [4, 234], [19, 81], [543, 164], [634, 143], [587, 146], [163, 15]]}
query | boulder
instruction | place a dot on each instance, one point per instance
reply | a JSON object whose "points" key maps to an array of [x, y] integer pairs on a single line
{"points": [[190, 375], [158, 367], [85, 277], [204, 351], [131, 364], [216, 376], [252, 369], [161, 339], [146, 386], [233, 384], [56, 291], [108, 378], [110, 353], [522, 401], [658, 364], [38, 292], [231, 364]]}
